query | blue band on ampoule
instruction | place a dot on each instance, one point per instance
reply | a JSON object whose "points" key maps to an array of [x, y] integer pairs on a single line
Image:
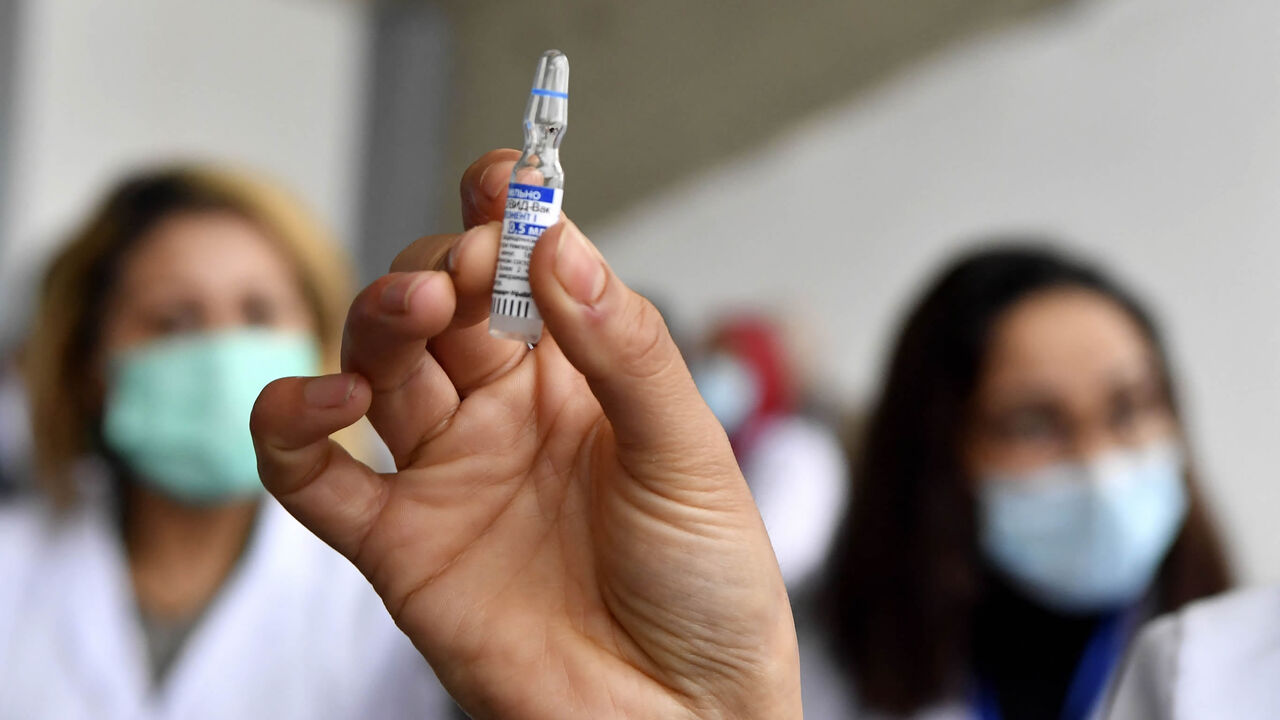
{"points": [[549, 93]]}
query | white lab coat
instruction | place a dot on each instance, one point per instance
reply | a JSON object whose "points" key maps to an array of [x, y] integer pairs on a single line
{"points": [[798, 476], [1218, 658], [296, 631]]}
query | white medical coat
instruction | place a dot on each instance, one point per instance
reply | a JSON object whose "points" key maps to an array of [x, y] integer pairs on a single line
{"points": [[1218, 658], [798, 476], [295, 632]]}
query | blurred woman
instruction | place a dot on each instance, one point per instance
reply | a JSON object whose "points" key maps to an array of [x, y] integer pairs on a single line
{"points": [[1024, 499], [152, 578]]}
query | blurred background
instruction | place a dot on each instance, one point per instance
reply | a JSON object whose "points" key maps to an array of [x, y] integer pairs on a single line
{"points": [[816, 160]]}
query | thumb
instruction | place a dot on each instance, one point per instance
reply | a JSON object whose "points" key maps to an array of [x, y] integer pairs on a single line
{"points": [[620, 343]]}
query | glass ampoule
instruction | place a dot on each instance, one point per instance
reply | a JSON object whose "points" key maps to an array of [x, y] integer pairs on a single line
{"points": [[534, 197]]}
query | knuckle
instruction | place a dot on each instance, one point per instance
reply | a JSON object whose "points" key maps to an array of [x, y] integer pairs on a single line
{"points": [[646, 346]]}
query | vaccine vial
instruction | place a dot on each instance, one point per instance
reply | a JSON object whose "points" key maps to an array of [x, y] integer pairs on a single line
{"points": [[533, 200]]}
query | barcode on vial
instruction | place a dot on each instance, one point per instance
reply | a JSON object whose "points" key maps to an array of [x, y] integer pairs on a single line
{"points": [[511, 307]]}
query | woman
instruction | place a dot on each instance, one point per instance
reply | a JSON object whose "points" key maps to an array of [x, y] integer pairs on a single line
{"points": [[153, 579], [1024, 499]]}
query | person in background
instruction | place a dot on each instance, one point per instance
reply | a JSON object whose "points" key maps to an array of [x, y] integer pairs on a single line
{"points": [[793, 462], [152, 577], [1024, 499]]}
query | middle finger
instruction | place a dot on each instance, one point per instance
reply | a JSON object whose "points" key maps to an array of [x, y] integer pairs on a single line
{"points": [[387, 329], [466, 351]]}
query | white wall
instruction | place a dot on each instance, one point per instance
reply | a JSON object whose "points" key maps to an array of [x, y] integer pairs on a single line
{"points": [[1148, 130], [104, 86]]}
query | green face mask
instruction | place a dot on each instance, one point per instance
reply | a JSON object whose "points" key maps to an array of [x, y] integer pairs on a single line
{"points": [[177, 410]]}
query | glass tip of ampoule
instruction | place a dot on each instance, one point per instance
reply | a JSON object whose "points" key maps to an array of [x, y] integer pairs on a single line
{"points": [[549, 97], [552, 75]]}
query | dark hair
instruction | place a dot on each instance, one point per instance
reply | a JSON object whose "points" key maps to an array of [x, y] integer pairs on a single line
{"points": [[904, 576]]}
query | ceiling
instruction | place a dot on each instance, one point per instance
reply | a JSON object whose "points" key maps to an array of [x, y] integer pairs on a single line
{"points": [[665, 87]]}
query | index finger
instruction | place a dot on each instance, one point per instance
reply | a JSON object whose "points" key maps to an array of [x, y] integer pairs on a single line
{"points": [[484, 185], [313, 477]]}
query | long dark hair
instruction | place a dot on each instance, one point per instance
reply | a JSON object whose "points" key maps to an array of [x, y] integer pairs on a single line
{"points": [[904, 577]]}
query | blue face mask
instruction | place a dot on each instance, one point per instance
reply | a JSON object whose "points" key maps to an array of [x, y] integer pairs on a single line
{"points": [[728, 388], [1085, 537], [177, 410]]}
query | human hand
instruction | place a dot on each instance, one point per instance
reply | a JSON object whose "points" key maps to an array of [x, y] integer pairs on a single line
{"points": [[567, 534]]}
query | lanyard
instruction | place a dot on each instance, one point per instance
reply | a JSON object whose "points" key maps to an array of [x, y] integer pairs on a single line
{"points": [[1091, 675]]}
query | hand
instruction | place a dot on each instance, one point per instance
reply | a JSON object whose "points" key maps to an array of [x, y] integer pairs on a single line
{"points": [[567, 534]]}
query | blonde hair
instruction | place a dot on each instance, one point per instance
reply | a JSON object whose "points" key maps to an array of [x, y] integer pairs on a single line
{"points": [[59, 351]]}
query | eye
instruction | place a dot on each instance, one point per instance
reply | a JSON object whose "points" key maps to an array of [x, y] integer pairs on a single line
{"points": [[1031, 424], [1131, 405], [1124, 411], [176, 320], [258, 310]]}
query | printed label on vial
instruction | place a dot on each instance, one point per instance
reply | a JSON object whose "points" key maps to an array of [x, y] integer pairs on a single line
{"points": [[530, 211]]}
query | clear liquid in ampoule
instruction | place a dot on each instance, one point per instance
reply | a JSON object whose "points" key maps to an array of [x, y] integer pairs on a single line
{"points": [[534, 197]]}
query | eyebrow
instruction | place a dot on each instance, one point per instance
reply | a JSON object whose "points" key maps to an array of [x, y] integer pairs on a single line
{"points": [[1124, 379], [1036, 399]]}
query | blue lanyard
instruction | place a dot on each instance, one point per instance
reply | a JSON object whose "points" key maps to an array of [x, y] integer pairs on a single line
{"points": [[1090, 679]]}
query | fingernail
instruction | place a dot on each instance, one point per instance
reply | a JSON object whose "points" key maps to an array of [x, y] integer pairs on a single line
{"points": [[451, 260], [579, 268], [329, 391], [492, 183], [395, 297]]}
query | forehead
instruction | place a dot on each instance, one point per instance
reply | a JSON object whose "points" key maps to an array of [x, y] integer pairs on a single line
{"points": [[205, 249], [1068, 339]]}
